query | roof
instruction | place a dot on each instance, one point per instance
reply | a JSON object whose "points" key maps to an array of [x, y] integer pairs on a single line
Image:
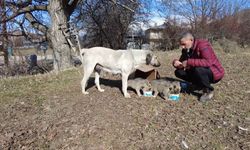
{"points": [[157, 28]]}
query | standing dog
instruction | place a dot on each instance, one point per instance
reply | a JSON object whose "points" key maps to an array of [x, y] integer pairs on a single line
{"points": [[138, 84], [165, 87], [114, 61]]}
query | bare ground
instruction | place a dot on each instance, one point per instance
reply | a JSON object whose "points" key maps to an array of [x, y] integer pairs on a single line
{"points": [[49, 112]]}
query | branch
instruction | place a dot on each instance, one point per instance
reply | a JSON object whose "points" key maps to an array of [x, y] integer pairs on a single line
{"points": [[11, 34], [23, 30], [19, 4], [122, 5], [24, 33], [35, 23], [25, 10], [72, 5]]}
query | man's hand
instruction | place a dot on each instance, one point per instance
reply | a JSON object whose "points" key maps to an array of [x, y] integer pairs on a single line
{"points": [[178, 64], [184, 64]]}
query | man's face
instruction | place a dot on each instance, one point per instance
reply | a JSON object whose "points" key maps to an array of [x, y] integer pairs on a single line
{"points": [[186, 43]]}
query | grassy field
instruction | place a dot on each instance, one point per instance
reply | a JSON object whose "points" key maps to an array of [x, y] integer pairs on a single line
{"points": [[49, 112]]}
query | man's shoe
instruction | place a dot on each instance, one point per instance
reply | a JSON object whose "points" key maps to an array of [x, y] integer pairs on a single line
{"points": [[207, 95]]}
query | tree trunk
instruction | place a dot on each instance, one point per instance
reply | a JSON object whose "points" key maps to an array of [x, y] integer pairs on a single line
{"points": [[5, 37], [61, 49]]}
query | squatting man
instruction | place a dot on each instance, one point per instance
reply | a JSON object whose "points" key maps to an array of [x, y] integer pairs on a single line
{"points": [[198, 65]]}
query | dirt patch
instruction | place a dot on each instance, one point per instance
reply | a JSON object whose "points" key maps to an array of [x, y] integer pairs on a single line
{"points": [[49, 112]]}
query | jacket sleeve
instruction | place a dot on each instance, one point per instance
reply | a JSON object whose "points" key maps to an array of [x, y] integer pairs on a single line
{"points": [[205, 56]]}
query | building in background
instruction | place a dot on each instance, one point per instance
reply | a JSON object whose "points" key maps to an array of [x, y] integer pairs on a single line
{"points": [[155, 37], [135, 37]]}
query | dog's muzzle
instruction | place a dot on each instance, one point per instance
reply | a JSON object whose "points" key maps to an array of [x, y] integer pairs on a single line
{"points": [[157, 64]]}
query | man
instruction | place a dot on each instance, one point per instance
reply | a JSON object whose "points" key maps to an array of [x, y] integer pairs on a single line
{"points": [[199, 65]]}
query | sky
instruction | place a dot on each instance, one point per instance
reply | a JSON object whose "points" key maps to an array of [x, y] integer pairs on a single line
{"points": [[158, 17]]}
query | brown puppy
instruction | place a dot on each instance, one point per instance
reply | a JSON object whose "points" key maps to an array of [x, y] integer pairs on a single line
{"points": [[165, 88], [138, 84]]}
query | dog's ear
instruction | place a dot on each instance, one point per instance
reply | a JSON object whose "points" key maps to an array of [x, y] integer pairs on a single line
{"points": [[148, 59], [82, 52]]}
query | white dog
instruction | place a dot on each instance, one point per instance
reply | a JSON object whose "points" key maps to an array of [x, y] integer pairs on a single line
{"points": [[114, 61]]}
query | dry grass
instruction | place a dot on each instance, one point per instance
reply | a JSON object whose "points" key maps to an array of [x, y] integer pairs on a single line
{"points": [[49, 112]]}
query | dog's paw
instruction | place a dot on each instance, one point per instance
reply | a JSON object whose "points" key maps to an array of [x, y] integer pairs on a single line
{"points": [[139, 94], [85, 93], [101, 90], [127, 95]]}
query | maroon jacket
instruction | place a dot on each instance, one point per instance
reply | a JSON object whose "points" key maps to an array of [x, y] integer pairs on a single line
{"points": [[202, 55]]}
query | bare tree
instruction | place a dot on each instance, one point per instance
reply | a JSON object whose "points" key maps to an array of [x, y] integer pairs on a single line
{"points": [[244, 27], [25, 12], [106, 23], [200, 13], [172, 34], [3, 30]]}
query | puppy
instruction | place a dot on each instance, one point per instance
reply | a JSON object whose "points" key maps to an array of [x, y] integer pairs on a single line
{"points": [[138, 84], [165, 88]]}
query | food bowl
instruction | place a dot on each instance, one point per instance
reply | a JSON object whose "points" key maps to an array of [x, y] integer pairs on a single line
{"points": [[148, 93], [174, 97]]}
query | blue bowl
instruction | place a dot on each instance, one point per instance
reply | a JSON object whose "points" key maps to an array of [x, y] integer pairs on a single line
{"points": [[148, 93], [174, 97]]}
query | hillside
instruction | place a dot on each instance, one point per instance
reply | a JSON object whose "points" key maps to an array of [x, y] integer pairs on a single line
{"points": [[49, 112]]}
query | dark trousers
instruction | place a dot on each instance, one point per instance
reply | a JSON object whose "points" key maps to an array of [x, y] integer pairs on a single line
{"points": [[200, 76]]}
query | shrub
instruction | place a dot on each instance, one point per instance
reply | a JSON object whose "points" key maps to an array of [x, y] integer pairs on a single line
{"points": [[228, 46]]}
